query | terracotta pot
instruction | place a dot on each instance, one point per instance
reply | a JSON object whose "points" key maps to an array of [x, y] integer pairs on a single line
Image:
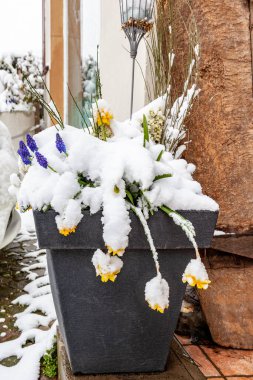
{"points": [[228, 302]]}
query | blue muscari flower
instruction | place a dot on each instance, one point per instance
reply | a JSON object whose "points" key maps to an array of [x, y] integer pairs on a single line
{"points": [[24, 148], [24, 153], [41, 160], [31, 143], [60, 144], [26, 159]]}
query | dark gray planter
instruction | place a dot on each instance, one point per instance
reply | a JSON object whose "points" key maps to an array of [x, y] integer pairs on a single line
{"points": [[108, 327]]}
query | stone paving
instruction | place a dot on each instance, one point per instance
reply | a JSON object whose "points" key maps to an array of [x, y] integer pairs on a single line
{"points": [[219, 363], [12, 281]]}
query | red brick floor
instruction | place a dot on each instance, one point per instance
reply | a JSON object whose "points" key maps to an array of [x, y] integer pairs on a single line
{"points": [[218, 363]]}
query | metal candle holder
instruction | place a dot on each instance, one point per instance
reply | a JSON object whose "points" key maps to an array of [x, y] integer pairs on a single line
{"points": [[136, 21]]}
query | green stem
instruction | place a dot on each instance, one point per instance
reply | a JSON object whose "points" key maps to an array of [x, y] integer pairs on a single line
{"points": [[53, 170]]}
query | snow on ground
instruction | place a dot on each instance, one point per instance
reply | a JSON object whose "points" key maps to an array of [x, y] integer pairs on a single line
{"points": [[222, 233], [39, 311]]}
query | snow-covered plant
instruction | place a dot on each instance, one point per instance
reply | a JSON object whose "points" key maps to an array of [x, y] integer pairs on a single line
{"points": [[14, 89], [30, 66], [169, 128], [126, 172], [96, 114], [11, 93], [89, 78], [101, 119]]}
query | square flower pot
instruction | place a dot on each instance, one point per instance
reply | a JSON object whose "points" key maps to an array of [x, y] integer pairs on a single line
{"points": [[108, 327]]}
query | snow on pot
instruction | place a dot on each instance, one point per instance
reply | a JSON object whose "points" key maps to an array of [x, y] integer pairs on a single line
{"points": [[9, 220], [18, 123], [103, 200]]}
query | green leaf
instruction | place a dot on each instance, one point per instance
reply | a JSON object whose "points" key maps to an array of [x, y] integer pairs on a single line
{"points": [[145, 130], [185, 224], [77, 195], [161, 176], [167, 210], [160, 155], [83, 183], [116, 189], [129, 196]]}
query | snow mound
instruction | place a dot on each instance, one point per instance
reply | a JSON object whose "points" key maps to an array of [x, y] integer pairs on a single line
{"points": [[96, 174]]}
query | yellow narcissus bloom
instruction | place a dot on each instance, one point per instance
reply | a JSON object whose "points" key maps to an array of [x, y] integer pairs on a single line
{"points": [[195, 274], [67, 231], [193, 281], [157, 308], [114, 252], [157, 294], [105, 277], [103, 117], [107, 267]]}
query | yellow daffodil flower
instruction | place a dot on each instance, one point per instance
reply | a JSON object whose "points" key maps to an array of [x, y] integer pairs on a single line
{"points": [[114, 252], [158, 308], [196, 275], [104, 117], [105, 277], [193, 281], [67, 231]]}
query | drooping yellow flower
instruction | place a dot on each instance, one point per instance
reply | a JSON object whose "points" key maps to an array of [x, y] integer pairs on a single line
{"points": [[157, 307], [114, 252], [103, 117], [193, 281], [195, 274], [107, 267], [105, 277], [67, 231], [157, 294]]}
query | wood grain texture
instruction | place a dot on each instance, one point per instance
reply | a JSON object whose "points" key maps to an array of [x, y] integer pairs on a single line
{"points": [[221, 122], [56, 59]]}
